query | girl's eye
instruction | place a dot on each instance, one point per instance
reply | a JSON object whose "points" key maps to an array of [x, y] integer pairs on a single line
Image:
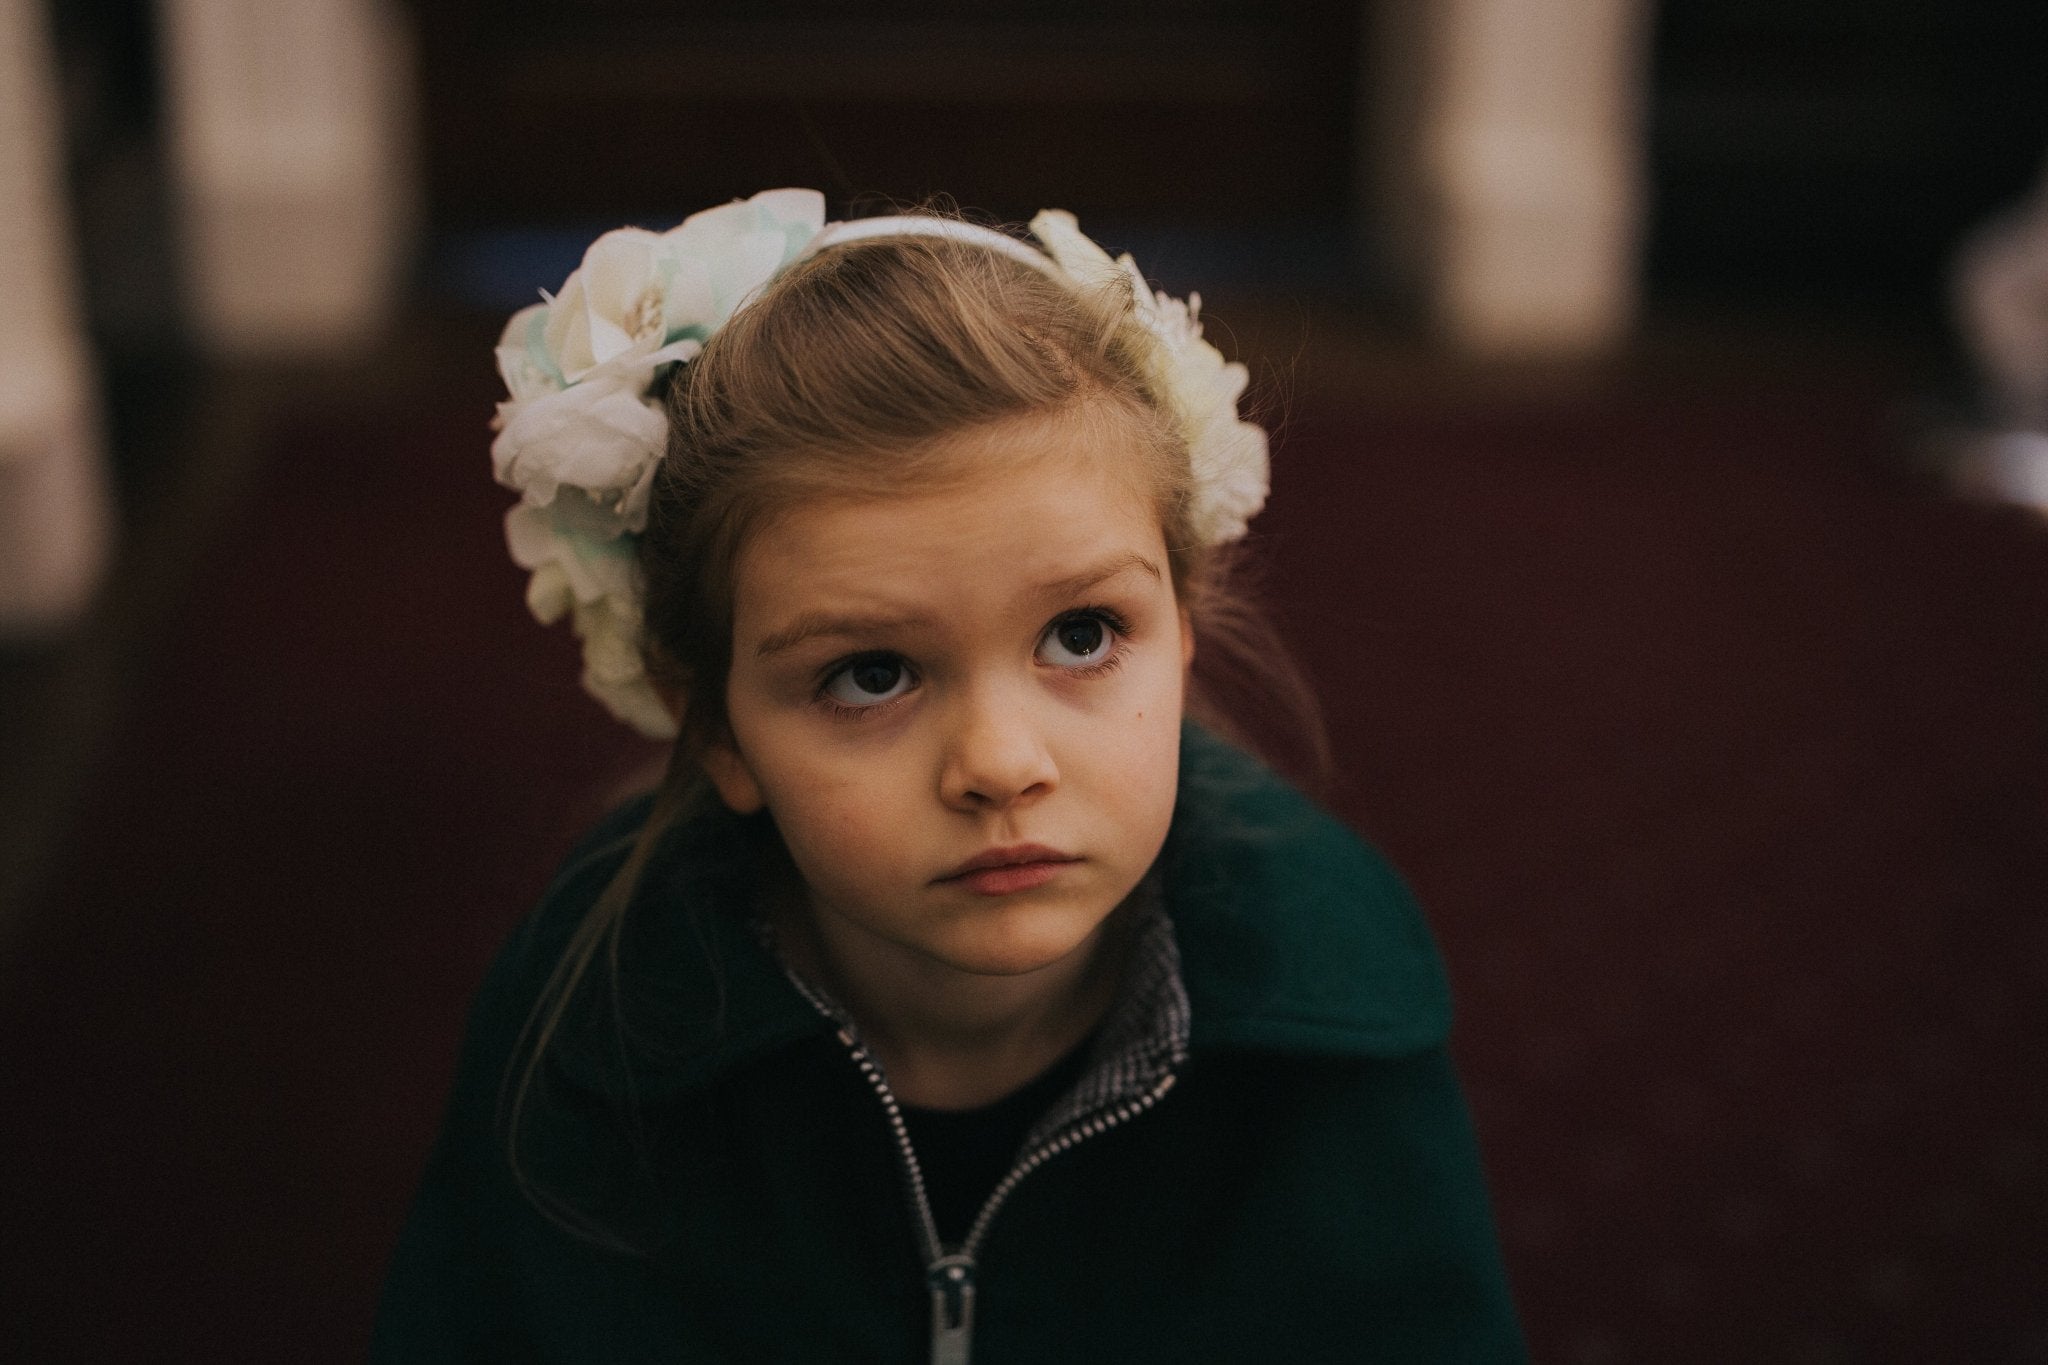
{"points": [[869, 682], [1077, 641]]}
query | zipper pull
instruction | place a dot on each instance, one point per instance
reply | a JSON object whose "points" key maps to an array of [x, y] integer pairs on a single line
{"points": [[952, 1284]]}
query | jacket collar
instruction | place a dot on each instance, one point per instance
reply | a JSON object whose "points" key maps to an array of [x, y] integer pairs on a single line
{"points": [[1293, 936]]}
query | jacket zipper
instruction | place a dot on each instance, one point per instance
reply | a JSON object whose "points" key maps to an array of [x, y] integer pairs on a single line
{"points": [[949, 1276]]}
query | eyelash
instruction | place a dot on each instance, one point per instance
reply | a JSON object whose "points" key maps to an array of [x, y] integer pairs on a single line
{"points": [[1108, 664]]}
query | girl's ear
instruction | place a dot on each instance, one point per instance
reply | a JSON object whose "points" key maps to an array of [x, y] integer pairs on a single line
{"points": [[1187, 638], [721, 760], [733, 778]]}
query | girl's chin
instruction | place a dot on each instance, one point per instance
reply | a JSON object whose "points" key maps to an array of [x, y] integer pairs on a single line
{"points": [[1018, 943]]}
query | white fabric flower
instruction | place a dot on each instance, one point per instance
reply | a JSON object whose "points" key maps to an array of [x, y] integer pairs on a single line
{"points": [[523, 361], [579, 367], [1072, 250], [1227, 456], [637, 291], [602, 436], [584, 571], [723, 256], [581, 437], [610, 308], [613, 671]]}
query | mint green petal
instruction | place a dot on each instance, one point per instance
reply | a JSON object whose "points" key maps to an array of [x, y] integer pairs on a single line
{"points": [[589, 526], [537, 346], [621, 546], [795, 237]]}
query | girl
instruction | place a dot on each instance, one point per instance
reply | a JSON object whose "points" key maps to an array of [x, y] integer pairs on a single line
{"points": [[953, 991]]}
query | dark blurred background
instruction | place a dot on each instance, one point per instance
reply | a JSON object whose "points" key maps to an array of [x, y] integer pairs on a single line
{"points": [[1658, 507]]}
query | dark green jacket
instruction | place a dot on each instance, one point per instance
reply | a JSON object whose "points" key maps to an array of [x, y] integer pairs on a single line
{"points": [[1307, 1190]]}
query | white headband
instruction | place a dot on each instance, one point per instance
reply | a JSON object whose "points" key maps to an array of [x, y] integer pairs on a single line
{"points": [[907, 225]]}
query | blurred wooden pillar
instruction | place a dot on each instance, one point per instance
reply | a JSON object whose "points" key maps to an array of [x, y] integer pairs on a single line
{"points": [[292, 142], [55, 520], [1504, 165]]}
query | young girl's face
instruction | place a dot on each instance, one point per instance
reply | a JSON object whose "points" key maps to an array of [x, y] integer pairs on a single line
{"points": [[990, 670]]}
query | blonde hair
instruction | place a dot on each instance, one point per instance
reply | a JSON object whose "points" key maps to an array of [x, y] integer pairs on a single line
{"points": [[840, 380]]}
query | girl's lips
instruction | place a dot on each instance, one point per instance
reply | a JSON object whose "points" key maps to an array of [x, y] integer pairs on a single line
{"points": [[1002, 871], [1002, 881]]}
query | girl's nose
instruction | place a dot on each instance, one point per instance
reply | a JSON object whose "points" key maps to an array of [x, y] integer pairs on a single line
{"points": [[996, 755]]}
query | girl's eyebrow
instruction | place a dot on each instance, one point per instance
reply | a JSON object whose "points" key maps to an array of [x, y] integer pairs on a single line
{"points": [[1079, 583], [811, 625]]}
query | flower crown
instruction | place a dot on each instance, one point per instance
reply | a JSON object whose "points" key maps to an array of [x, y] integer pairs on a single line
{"points": [[583, 432]]}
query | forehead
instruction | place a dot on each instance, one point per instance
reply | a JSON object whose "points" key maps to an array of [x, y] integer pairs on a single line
{"points": [[1013, 506]]}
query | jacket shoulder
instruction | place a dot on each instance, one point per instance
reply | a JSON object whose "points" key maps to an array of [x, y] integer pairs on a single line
{"points": [[1295, 933]]}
